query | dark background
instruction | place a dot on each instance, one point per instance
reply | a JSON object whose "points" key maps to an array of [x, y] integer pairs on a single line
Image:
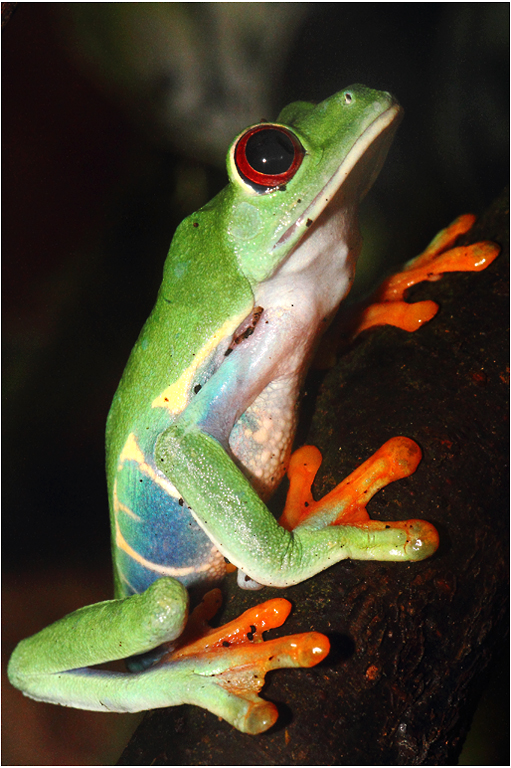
{"points": [[101, 161]]}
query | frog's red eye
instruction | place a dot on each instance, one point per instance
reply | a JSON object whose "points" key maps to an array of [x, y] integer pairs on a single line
{"points": [[268, 156]]}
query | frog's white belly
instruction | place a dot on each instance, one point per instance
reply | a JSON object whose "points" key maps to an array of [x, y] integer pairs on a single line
{"points": [[262, 437], [298, 302]]}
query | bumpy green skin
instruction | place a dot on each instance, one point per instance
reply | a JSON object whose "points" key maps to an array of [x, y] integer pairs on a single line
{"points": [[179, 399]]}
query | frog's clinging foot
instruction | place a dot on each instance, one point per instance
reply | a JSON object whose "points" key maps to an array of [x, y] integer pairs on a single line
{"points": [[346, 504], [228, 665], [387, 306], [221, 670]]}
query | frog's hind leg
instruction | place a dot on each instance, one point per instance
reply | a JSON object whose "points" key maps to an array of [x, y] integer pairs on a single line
{"points": [[346, 504], [221, 669], [227, 666]]}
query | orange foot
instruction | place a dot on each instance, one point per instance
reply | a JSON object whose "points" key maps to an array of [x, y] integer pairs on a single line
{"points": [[225, 667], [346, 504], [386, 306]]}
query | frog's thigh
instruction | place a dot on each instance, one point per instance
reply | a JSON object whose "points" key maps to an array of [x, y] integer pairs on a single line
{"points": [[49, 666]]}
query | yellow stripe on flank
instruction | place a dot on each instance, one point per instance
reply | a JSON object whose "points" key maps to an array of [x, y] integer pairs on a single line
{"points": [[119, 507], [132, 452], [163, 570], [175, 397]]}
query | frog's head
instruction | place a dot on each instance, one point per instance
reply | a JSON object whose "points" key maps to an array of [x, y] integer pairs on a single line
{"points": [[285, 174]]}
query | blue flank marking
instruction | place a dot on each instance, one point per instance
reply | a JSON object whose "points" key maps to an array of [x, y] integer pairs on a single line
{"points": [[166, 533]]}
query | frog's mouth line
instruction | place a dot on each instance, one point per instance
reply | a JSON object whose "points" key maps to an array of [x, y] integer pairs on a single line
{"points": [[382, 129]]}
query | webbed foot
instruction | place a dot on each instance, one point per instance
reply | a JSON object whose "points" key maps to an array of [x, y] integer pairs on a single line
{"points": [[225, 668], [346, 504], [386, 306]]}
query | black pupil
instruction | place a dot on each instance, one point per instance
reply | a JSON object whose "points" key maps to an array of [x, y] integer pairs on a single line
{"points": [[270, 152]]}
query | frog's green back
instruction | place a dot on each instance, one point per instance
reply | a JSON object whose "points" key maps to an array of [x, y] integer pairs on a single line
{"points": [[202, 290]]}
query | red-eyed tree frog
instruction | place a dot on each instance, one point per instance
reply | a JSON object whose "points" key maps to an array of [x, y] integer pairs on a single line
{"points": [[200, 430]]}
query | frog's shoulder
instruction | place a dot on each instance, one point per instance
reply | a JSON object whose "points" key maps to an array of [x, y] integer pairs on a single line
{"points": [[202, 258]]}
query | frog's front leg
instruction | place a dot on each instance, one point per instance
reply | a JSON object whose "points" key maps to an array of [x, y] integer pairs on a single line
{"points": [[240, 525], [387, 305], [220, 670]]}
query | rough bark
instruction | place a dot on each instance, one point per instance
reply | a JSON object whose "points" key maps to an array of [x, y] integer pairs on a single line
{"points": [[411, 643]]}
